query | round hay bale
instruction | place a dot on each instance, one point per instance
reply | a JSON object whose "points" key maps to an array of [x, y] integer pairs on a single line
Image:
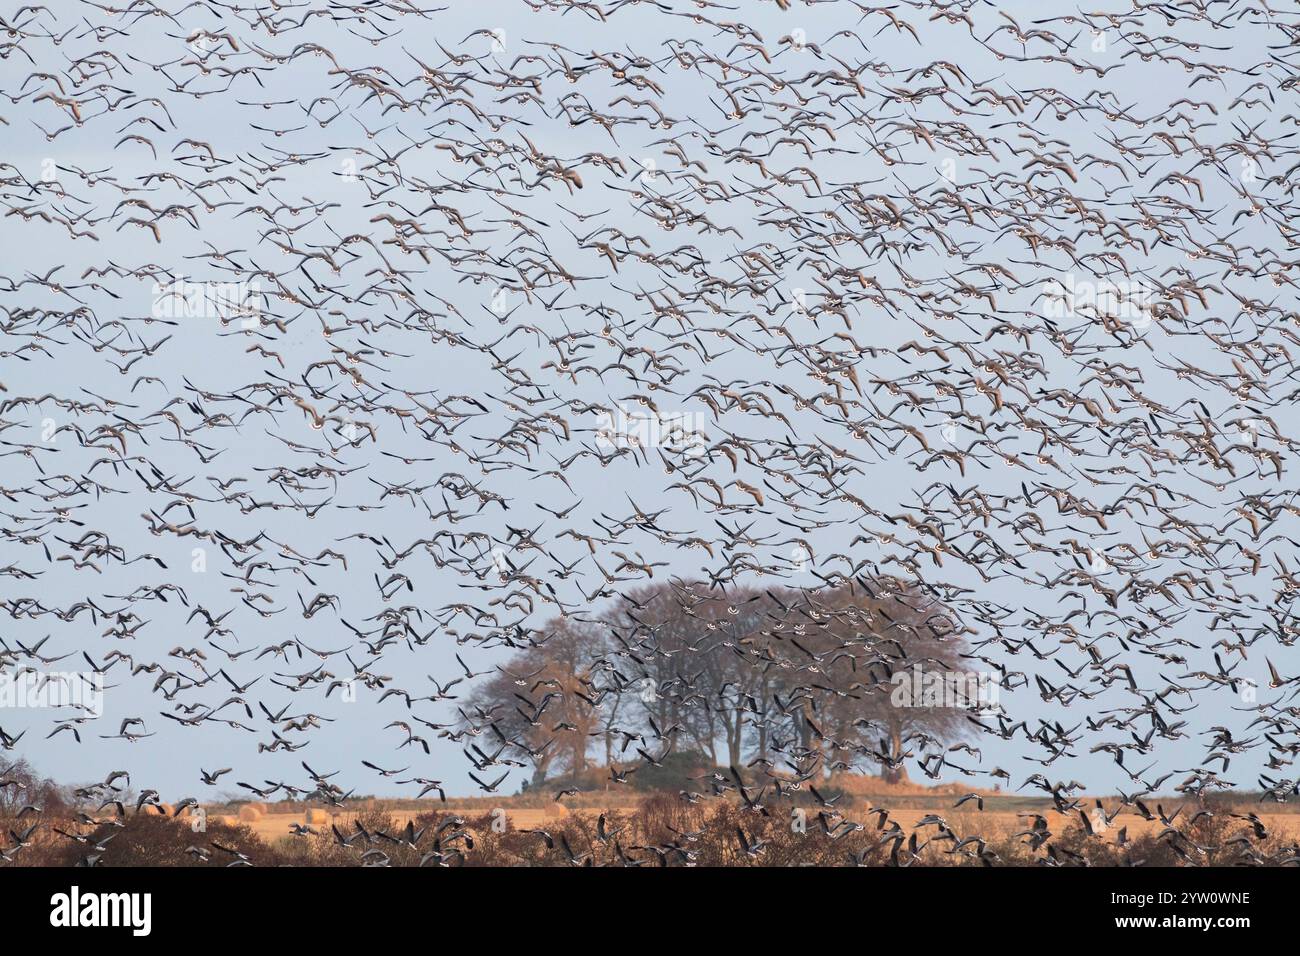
{"points": [[556, 810], [318, 817], [261, 808], [166, 809], [228, 820], [249, 813]]}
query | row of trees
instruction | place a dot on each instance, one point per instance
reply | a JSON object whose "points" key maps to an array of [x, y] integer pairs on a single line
{"points": [[752, 674]]}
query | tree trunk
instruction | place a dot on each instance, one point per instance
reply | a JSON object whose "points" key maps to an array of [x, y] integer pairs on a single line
{"points": [[735, 736], [890, 774], [539, 770], [579, 754]]}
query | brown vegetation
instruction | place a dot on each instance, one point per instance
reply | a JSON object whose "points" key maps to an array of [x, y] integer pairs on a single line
{"points": [[668, 831]]}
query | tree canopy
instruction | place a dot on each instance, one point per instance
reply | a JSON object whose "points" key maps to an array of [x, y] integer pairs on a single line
{"points": [[682, 675]]}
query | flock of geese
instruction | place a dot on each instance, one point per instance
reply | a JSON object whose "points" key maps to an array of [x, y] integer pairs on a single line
{"points": [[345, 342]]}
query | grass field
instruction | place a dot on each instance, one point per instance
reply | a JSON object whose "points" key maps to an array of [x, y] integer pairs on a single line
{"points": [[1001, 816]]}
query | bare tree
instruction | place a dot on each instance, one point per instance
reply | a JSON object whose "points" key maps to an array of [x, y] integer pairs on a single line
{"points": [[543, 702], [21, 786]]}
